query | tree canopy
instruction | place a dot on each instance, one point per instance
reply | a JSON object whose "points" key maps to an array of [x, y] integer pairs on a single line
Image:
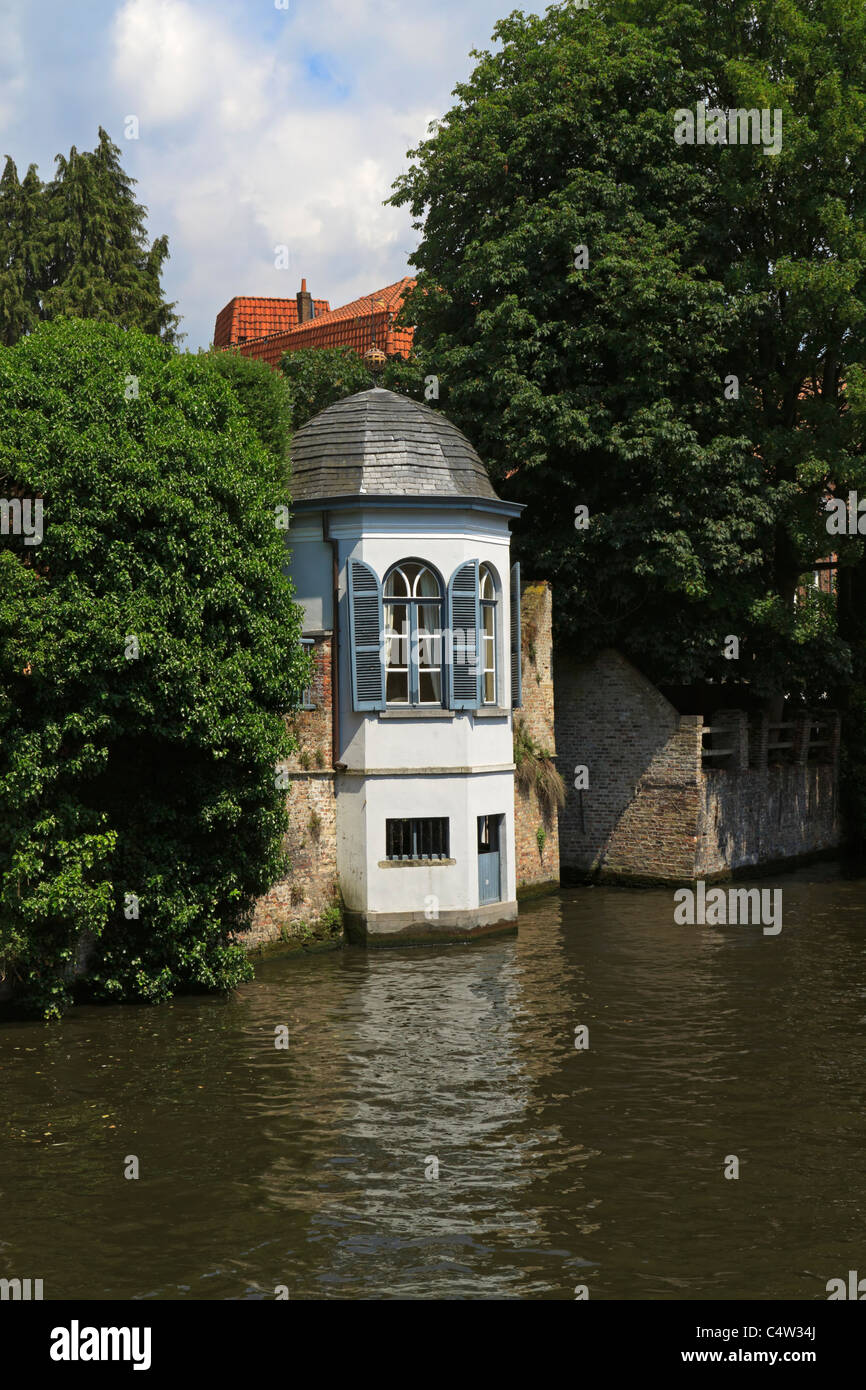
{"points": [[264, 397], [149, 649], [78, 246], [317, 377], [659, 332]]}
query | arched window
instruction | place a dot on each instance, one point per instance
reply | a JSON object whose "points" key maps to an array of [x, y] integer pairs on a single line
{"points": [[489, 634], [413, 635]]}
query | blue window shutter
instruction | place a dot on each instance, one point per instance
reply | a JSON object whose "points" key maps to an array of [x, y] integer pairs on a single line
{"points": [[463, 621], [366, 637], [516, 671]]}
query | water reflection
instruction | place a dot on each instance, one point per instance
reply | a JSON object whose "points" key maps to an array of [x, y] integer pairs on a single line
{"points": [[307, 1167]]}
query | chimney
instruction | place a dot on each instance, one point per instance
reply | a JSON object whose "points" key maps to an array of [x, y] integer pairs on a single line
{"points": [[305, 304]]}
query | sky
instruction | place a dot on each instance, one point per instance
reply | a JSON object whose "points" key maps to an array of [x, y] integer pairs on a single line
{"points": [[261, 124]]}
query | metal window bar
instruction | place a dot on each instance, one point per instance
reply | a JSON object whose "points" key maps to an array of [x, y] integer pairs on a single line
{"points": [[418, 838]]}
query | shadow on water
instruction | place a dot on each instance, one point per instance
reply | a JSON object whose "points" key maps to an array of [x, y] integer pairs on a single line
{"points": [[308, 1167]]}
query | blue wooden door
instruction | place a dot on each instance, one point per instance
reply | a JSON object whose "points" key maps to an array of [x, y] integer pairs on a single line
{"points": [[489, 861]]}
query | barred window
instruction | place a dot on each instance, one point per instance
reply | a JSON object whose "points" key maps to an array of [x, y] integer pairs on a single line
{"points": [[421, 838]]}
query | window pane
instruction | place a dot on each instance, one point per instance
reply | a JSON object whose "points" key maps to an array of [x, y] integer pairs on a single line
{"points": [[396, 586], [487, 587], [426, 585], [489, 688], [397, 687], [430, 687], [397, 638], [429, 645], [396, 617]]}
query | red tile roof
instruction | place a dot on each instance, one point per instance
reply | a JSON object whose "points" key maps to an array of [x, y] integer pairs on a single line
{"points": [[349, 326], [244, 318]]}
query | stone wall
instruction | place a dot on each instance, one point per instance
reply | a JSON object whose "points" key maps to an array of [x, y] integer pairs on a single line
{"points": [[291, 912], [537, 855], [757, 811], [654, 811]]}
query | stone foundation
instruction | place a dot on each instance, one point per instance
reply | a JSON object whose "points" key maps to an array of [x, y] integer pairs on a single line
{"points": [[413, 928]]}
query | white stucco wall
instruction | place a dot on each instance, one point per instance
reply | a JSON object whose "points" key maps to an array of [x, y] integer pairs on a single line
{"points": [[362, 814], [459, 765], [310, 567]]}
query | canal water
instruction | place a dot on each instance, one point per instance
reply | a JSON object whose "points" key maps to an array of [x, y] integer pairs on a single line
{"points": [[312, 1167]]}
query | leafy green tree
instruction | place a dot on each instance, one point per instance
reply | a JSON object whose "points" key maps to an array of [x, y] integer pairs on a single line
{"points": [[264, 396], [78, 246], [602, 377], [148, 653], [317, 377]]}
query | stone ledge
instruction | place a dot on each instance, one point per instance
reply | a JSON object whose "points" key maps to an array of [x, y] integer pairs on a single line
{"points": [[572, 876], [537, 890], [425, 771], [417, 713], [415, 863]]}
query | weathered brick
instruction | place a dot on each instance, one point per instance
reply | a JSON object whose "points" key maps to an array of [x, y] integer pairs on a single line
{"points": [[653, 811], [536, 865]]}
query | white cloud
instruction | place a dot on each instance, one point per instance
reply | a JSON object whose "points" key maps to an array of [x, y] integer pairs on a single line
{"points": [[176, 61], [292, 136]]}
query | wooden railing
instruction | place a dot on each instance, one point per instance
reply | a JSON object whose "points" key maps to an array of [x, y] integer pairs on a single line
{"points": [[716, 752], [784, 741]]}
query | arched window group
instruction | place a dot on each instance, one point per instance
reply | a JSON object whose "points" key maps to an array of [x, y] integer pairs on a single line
{"points": [[418, 642]]}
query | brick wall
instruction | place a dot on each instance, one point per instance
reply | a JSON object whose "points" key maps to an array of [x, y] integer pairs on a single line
{"points": [[537, 864], [755, 811], [652, 811], [293, 907], [638, 815]]}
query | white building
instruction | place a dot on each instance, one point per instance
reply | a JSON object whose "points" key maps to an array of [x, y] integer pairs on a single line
{"points": [[400, 555]]}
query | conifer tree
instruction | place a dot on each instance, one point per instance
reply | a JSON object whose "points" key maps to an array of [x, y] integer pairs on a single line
{"points": [[78, 247], [22, 251]]}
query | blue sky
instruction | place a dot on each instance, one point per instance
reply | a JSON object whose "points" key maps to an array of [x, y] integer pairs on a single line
{"points": [[259, 126]]}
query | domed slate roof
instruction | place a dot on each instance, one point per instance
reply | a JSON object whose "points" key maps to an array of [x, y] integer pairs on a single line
{"points": [[380, 444]]}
